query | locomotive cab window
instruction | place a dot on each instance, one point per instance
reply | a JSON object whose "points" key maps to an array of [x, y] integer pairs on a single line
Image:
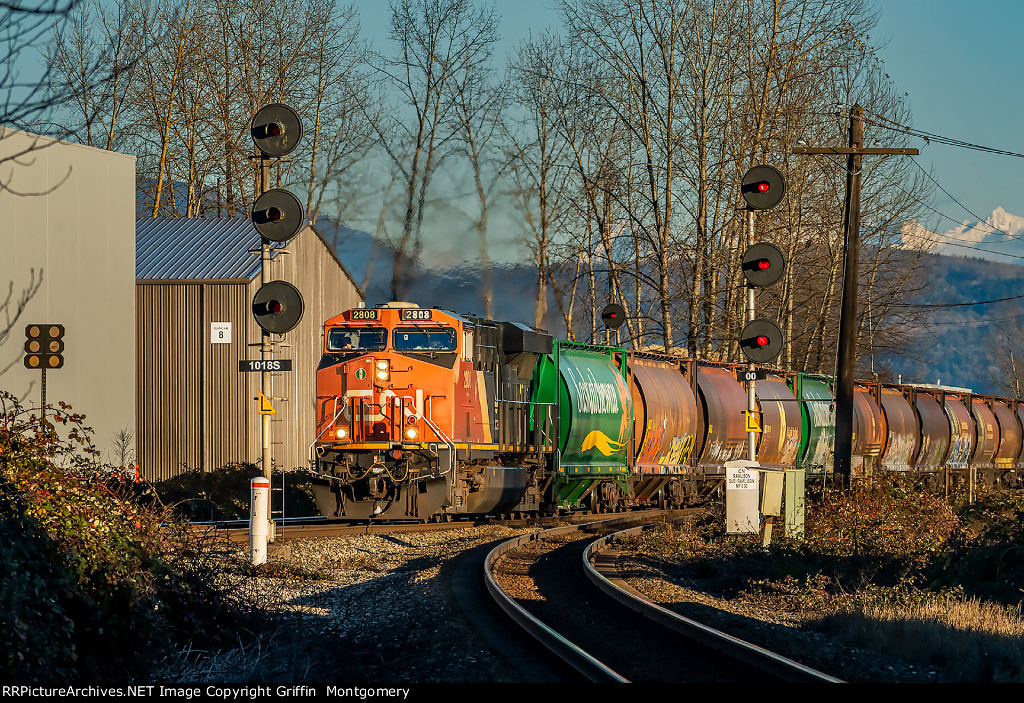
{"points": [[342, 339], [434, 339]]}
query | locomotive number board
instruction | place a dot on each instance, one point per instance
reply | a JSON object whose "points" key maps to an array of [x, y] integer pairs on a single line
{"points": [[415, 314], [363, 314]]}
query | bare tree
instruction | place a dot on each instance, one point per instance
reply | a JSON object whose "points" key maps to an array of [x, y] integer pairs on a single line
{"points": [[437, 44]]}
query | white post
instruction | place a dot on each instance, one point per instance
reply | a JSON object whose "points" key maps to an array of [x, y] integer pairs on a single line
{"points": [[259, 526]]}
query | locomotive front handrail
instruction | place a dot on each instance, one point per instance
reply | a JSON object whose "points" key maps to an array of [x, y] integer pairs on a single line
{"points": [[437, 431], [329, 425]]}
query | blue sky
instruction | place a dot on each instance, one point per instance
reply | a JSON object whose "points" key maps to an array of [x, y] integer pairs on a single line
{"points": [[958, 61]]}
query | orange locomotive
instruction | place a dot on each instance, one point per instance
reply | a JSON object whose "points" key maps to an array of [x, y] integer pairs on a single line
{"points": [[422, 412]]}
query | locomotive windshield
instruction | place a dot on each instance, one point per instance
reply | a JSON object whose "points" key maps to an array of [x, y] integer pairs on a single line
{"points": [[340, 339], [432, 339]]}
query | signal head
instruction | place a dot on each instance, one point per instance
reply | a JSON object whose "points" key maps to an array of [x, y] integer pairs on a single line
{"points": [[763, 264], [613, 316], [278, 215], [763, 187], [761, 341], [276, 130], [277, 307]]}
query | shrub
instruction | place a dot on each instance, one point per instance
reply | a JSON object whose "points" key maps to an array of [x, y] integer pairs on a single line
{"points": [[94, 586], [223, 494]]}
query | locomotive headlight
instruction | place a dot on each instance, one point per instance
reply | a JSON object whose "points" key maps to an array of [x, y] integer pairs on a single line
{"points": [[341, 433], [383, 369], [412, 433]]}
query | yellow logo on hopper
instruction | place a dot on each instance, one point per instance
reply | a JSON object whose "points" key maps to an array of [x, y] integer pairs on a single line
{"points": [[602, 442]]}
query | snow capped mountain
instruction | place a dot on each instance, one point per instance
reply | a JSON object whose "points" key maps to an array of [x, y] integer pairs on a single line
{"points": [[999, 238]]}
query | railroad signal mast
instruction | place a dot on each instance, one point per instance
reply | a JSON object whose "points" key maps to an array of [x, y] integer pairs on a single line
{"points": [[763, 187], [278, 216], [842, 462], [44, 349]]}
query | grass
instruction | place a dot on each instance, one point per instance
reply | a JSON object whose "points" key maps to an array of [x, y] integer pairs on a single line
{"points": [[970, 639], [901, 571]]}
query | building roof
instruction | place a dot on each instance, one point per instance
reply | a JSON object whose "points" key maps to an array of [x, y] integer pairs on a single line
{"points": [[179, 248]]}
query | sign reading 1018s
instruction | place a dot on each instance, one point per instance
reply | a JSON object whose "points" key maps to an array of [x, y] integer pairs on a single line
{"points": [[259, 365]]}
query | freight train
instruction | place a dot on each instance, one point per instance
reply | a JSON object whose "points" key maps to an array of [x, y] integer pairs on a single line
{"points": [[427, 414]]}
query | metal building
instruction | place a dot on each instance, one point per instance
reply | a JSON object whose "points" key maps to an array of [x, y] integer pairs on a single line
{"points": [[68, 259], [196, 279]]}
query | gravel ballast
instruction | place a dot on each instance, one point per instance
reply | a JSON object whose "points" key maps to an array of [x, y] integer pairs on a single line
{"points": [[376, 608]]}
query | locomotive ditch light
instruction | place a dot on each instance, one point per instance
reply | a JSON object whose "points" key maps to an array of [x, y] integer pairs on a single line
{"points": [[342, 433], [763, 187], [761, 341], [763, 265]]}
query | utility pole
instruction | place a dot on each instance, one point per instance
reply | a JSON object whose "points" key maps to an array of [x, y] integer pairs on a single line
{"points": [[848, 315]]}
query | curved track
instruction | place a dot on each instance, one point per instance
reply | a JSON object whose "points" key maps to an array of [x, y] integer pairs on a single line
{"points": [[538, 580]]}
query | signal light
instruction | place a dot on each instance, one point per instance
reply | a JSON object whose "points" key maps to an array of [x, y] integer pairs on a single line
{"points": [[44, 346], [613, 316], [763, 187], [277, 307], [269, 130], [761, 341], [763, 265]]}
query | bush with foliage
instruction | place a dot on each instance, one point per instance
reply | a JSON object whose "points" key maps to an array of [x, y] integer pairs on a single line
{"points": [[94, 586], [224, 493]]}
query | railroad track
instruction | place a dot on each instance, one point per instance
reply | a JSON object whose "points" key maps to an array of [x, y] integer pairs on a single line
{"points": [[561, 586], [300, 528]]}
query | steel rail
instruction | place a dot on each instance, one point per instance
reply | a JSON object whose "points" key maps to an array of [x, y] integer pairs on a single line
{"points": [[760, 658], [570, 653]]}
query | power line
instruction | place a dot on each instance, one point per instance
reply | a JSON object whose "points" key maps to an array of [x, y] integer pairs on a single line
{"points": [[929, 137], [955, 305]]}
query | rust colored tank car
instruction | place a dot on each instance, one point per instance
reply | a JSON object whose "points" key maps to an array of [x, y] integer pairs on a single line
{"points": [[665, 426], [868, 430], [934, 431], [722, 433], [986, 434], [1009, 434], [781, 421], [902, 433]]}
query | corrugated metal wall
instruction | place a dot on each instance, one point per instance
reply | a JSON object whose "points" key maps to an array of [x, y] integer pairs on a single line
{"points": [[170, 367], [196, 410]]}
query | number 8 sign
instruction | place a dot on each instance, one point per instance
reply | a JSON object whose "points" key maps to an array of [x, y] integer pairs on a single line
{"points": [[220, 333]]}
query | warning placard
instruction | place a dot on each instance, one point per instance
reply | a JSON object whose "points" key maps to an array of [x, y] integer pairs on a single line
{"points": [[741, 497], [265, 407]]}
